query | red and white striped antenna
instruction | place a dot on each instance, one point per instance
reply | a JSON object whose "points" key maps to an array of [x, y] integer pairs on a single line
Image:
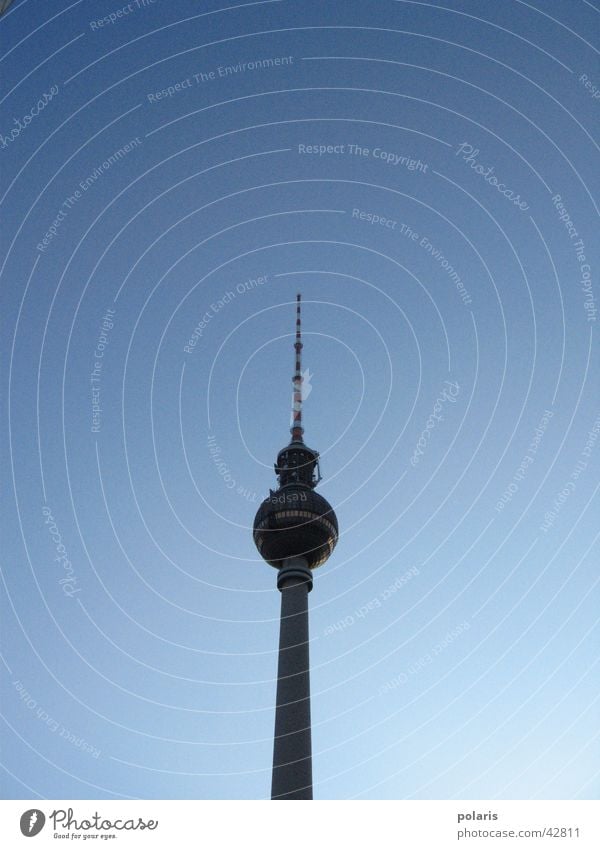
{"points": [[297, 430]]}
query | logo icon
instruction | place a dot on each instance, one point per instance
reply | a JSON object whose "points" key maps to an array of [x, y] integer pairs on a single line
{"points": [[32, 822]]}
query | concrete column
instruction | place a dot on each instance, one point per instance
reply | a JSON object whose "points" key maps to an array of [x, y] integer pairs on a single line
{"points": [[292, 753]]}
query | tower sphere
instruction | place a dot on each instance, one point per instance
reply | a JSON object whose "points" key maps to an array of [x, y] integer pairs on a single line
{"points": [[295, 521]]}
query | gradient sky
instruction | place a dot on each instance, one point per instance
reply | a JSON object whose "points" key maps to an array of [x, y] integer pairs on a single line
{"points": [[455, 628]]}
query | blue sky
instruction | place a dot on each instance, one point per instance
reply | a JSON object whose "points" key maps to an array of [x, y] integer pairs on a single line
{"points": [[426, 175]]}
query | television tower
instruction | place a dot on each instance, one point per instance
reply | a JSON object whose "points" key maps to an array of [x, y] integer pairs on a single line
{"points": [[295, 530]]}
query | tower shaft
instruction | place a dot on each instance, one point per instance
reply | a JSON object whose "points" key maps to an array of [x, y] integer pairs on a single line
{"points": [[292, 752]]}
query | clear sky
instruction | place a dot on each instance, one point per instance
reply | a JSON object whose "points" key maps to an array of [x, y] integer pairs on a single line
{"points": [[426, 174]]}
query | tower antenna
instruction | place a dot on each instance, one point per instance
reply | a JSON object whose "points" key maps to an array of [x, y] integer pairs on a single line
{"points": [[297, 430]]}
